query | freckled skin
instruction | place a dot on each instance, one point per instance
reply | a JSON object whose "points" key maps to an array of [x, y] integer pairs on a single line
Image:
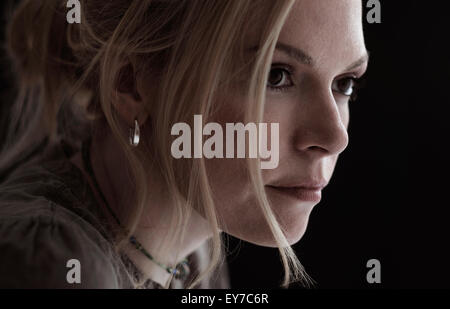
{"points": [[313, 120]]}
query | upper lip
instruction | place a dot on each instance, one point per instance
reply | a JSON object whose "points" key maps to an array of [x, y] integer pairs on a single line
{"points": [[308, 184]]}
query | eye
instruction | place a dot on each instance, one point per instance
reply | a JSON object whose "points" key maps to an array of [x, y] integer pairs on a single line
{"points": [[279, 79], [345, 86]]}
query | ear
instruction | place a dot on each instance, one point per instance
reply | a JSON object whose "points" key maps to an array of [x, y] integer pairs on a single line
{"points": [[128, 101]]}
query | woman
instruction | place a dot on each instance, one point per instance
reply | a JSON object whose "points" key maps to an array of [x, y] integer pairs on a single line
{"points": [[98, 199]]}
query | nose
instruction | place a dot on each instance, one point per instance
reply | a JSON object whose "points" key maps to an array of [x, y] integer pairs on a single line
{"points": [[322, 129]]}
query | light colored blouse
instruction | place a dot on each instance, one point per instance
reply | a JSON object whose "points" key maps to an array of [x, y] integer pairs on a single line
{"points": [[48, 216]]}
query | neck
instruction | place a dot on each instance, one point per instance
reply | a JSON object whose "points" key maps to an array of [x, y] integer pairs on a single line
{"points": [[153, 225]]}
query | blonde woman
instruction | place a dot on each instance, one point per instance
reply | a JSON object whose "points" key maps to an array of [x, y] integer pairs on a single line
{"points": [[91, 194]]}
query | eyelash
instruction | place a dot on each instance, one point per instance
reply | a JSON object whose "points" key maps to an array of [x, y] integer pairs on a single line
{"points": [[289, 71]]}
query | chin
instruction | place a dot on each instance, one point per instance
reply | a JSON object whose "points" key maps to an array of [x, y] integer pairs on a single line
{"points": [[296, 229], [295, 235], [293, 231]]}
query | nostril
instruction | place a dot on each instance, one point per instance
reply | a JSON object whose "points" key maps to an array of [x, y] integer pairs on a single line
{"points": [[314, 147], [317, 148]]}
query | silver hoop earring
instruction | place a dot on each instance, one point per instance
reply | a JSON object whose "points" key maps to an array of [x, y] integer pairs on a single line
{"points": [[135, 134]]}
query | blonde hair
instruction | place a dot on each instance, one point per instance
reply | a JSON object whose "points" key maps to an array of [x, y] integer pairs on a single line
{"points": [[63, 66]]}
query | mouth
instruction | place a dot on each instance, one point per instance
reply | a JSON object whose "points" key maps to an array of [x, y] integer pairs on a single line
{"points": [[299, 193], [305, 193]]}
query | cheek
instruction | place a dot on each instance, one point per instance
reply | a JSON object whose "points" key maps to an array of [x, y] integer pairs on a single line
{"points": [[230, 182], [234, 199], [228, 178]]}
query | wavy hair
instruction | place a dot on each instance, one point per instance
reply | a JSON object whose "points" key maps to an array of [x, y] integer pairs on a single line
{"points": [[68, 76]]}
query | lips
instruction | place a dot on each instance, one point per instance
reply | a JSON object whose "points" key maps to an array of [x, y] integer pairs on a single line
{"points": [[307, 191]]}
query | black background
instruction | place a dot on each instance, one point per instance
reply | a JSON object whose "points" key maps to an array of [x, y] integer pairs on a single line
{"points": [[388, 198]]}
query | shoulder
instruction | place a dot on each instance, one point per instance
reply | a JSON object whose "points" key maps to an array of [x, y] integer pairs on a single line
{"points": [[44, 245], [48, 223]]}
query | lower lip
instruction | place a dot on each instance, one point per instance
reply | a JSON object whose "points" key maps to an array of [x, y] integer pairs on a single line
{"points": [[302, 194]]}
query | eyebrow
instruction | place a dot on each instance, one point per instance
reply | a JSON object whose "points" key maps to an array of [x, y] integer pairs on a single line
{"points": [[296, 53], [302, 57]]}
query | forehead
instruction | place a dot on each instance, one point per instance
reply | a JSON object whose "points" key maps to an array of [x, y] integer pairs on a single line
{"points": [[330, 31]]}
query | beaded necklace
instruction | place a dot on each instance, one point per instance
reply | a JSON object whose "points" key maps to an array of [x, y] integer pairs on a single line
{"points": [[181, 270]]}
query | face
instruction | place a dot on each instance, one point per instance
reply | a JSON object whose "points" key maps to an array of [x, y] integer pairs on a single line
{"points": [[320, 55]]}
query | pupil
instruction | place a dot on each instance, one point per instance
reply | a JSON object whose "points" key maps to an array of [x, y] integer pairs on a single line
{"points": [[345, 85], [275, 77]]}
